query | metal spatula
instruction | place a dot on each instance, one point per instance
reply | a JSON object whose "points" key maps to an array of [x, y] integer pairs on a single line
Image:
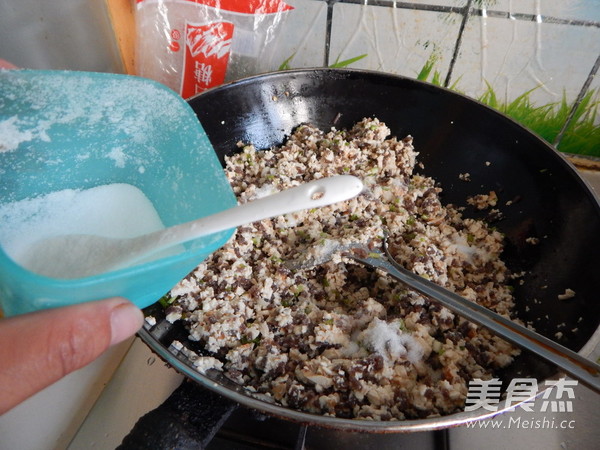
{"points": [[370, 255]]}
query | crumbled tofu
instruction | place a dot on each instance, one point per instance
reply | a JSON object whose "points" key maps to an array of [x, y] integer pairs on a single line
{"points": [[569, 293], [483, 201], [150, 320], [340, 339]]}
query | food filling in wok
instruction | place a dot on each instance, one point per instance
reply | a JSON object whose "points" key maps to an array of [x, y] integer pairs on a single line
{"points": [[340, 339]]}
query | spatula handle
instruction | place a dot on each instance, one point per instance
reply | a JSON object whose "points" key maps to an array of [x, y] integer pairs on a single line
{"points": [[569, 361], [314, 194]]}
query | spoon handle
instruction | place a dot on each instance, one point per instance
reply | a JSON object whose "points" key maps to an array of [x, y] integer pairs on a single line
{"points": [[569, 361], [314, 194]]}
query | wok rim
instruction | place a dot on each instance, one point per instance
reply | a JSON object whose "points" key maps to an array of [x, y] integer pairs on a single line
{"points": [[352, 425], [591, 347]]}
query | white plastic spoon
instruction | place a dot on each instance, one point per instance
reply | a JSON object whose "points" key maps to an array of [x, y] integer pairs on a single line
{"points": [[82, 255]]}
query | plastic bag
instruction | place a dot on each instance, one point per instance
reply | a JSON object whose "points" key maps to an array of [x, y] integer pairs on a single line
{"points": [[193, 45]]}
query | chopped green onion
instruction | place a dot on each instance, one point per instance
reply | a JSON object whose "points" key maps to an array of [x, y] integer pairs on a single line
{"points": [[166, 301]]}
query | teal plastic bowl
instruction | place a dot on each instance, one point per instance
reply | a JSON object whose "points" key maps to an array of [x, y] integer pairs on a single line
{"points": [[78, 130]]}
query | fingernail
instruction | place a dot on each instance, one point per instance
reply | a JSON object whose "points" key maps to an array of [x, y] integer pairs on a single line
{"points": [[125, 320]]}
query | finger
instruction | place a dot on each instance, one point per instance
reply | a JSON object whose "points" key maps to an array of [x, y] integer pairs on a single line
{"points": [[40, 348]]}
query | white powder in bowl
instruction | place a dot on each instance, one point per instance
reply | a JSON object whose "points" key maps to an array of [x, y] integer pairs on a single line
{"points": [[114, 210]]}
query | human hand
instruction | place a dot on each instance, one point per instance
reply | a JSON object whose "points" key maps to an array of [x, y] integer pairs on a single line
{"points": [[39, 348]]}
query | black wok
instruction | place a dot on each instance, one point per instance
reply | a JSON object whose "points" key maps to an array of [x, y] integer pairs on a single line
{"points": [[454, 135]]}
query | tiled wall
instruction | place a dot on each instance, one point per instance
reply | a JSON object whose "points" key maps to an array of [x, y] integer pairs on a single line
{"points": [[537, 60], [543, 53]]}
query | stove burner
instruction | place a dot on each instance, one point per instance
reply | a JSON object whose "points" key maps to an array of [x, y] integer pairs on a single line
{"points": [[249, 430], [196, 418]]}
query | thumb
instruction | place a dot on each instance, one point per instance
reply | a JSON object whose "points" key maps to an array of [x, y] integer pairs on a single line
{"points": [[38, 349]]}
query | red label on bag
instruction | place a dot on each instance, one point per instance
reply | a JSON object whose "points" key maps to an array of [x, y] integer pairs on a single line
{"points": [[207, 50], [244, 6]]}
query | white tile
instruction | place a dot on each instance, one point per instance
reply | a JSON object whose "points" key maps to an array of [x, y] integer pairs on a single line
{"points": [[302, 36], [395, 40], [588, 10], [425, 3], [516, 56]]}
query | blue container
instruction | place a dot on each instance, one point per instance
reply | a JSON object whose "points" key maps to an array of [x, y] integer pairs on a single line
{"points": [[78, 130]]}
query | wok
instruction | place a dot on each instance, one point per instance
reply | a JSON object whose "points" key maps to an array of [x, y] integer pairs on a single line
{"points": [[454, 135]]}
